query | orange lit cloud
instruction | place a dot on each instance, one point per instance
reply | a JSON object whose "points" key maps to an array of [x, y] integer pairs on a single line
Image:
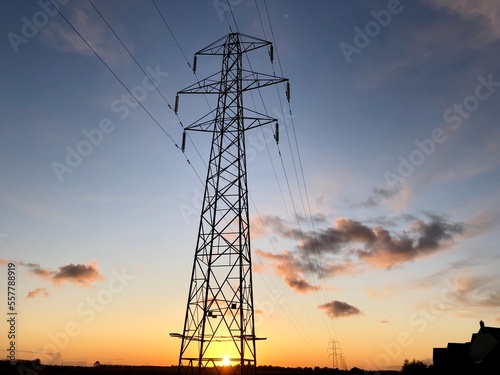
{"points": [[290, 269], [37, 292], [78, 274]]}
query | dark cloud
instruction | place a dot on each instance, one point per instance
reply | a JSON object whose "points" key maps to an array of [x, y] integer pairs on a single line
{"points": [[422, 239], [336, 249], [300, 284], [380, 194], [79, 274], [37, 292], [260, 228], [317, 219], [391, 221], [338, 309]]}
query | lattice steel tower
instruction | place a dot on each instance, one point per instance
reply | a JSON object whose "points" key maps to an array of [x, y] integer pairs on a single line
{"points": [[219, 332]]}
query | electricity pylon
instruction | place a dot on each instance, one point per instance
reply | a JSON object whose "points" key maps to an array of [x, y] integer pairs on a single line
{"points": [[338, 359], [219, 331], [333, 354]]}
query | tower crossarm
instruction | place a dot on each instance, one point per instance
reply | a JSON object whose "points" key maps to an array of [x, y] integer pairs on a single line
{"points": [[252, 119], [247, 43], [250, 81], [254, 80]]}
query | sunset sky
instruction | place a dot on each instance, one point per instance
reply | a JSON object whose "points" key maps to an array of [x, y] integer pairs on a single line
{"points": [[375, 223]]}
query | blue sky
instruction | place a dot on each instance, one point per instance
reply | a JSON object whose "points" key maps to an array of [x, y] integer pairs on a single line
{"points": [[384, 199]]}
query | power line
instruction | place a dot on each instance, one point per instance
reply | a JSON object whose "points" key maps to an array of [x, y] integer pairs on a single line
{"points": [[260, 18], [114, 74], [146, 75], [171, 33], [132, 56], [286, 176], [314, 244], [192, 70], [288, 185], [232, 14]]}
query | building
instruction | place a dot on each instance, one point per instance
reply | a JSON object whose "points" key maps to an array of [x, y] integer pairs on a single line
{"points": [[480, 356]]}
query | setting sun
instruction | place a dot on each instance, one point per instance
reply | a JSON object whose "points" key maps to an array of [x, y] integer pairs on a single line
{"points": [[225, 361]]}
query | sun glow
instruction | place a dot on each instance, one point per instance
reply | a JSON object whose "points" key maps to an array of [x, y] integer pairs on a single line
{"points": [[225, 362]]}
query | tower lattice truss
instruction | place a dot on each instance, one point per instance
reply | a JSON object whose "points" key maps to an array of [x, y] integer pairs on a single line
{"points": [[219, 331]]}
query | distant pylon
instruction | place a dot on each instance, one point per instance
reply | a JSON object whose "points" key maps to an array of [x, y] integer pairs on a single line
{"points": [[219, 331], [338, 359], [332, 352]]}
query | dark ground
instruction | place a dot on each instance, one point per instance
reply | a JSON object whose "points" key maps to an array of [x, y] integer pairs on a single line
{"points": [[34, 368], [30, 368]]}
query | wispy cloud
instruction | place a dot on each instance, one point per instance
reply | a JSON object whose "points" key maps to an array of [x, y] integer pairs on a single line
{"points": [[38, 210], [472, 292], [38, 292], [382, 292], [338, 309], [413, 53], [484, 221], [485, 12], [78, 274], [60, 36]]}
